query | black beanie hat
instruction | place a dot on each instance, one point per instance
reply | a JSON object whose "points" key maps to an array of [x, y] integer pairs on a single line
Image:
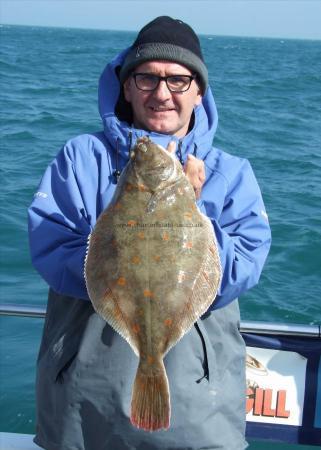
{"points": [[167, 39]]}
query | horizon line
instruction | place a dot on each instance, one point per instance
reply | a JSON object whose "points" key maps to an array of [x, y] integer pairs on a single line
{"points": [[135, 31]]}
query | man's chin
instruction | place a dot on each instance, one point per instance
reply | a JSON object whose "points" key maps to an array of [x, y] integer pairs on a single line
{"points": [[161, 128]]}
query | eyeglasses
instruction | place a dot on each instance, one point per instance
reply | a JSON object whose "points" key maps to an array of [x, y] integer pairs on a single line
{"points": [[174, 83]]}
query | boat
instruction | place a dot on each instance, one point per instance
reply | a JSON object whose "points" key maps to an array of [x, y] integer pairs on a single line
{"points": [[283, 371]]}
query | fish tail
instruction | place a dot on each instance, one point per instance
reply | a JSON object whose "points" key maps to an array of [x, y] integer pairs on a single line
{"points": [[150, 407]]}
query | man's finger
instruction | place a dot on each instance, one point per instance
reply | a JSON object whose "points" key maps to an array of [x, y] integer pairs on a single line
{"points": [[194, 167], [195, 172], [171, 148], [197, 192]]}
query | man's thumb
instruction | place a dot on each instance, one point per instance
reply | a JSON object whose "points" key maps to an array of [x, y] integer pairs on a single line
{"points": [[171, 147]]}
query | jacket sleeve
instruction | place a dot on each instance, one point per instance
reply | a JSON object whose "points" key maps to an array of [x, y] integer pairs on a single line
{"points": [[59, 228], [243, 235]]}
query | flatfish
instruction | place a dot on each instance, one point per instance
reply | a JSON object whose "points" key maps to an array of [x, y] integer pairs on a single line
{"points": [[152, 269]]}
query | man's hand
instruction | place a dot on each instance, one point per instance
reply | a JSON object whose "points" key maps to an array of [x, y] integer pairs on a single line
{"points": [[194, 170]]}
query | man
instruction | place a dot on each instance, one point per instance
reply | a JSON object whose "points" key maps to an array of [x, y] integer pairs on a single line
{"points": [[158, 87]]}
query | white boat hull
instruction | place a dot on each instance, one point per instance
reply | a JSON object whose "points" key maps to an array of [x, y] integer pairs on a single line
{"points": [[17, 441]]}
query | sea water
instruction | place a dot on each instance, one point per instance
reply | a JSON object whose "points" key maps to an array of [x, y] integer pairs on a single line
{"points": [[268, 95]]}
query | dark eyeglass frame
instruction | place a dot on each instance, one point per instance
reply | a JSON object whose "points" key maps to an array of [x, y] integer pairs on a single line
{"points": [[159, 79]]}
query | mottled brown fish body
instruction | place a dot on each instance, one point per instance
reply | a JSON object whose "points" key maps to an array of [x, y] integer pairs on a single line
{"points": [[152, 270]]}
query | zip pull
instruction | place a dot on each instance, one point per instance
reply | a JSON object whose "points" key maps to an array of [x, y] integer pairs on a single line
{"points": [[179, 152]]}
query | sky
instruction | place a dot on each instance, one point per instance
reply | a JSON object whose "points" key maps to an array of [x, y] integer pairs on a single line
{"points": [[266, 18]]}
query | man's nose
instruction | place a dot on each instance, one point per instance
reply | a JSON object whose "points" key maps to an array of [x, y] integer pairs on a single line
{"points": [[162, 92]]}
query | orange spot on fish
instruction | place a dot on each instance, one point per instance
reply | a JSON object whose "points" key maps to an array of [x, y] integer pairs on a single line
{"points": [[135, 259], [150, 359], [156, 258], [188, 215], [148, 293], [168, 322], [121, 281], [188, 244], [131, 223], [129, 187], [165, 236], [136, 328], [141, 235], [142, 187], [117, 206]]}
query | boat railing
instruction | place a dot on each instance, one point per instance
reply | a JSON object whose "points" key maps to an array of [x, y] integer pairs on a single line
{"points": [[286, 401], [257, 327]]}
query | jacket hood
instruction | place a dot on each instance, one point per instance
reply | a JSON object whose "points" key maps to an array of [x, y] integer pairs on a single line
{"points": [[122, 135]]}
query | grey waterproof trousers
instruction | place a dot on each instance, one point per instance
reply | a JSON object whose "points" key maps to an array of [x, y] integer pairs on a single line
{"points": [[85, 373]]}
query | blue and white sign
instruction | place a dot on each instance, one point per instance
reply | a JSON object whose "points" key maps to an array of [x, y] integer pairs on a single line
{"points": [[284, 388]]}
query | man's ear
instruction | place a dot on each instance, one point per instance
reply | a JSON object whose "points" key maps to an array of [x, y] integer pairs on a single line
{"points": [[127, 92], [198, 99]]}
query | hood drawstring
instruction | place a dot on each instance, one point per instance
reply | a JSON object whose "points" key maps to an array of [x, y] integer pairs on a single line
{"points": [[205, 362], [117, 172], [179, 152], [130, 141]]}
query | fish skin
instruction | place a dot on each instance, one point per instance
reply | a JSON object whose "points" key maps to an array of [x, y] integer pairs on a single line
{"points": [[152, 269]]}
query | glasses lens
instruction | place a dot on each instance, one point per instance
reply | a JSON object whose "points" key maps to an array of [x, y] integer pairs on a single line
{"points": [[145, 81], [150, 82], [178, 83]]}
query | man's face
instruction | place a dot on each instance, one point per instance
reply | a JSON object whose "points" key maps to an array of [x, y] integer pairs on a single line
{"points": [[161, 110]]}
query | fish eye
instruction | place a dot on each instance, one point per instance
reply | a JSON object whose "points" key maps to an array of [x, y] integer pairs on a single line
{"points": [[143, 147]]}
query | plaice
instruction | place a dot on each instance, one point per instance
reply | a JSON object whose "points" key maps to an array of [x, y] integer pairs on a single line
{"points": [[152, 269]]}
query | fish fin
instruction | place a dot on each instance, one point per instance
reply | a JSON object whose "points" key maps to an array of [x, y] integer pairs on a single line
{"points": [[86, 258], [109, 310], [205, 287], [150, 406]]}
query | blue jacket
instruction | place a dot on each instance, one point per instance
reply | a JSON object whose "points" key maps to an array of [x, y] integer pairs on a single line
{"points": [[79, 184]]}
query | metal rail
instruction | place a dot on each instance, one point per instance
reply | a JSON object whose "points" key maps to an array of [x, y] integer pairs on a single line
{"points": [[22, 310], [246, 326], [281, 329]]}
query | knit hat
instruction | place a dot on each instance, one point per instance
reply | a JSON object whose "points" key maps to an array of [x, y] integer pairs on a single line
{"points": [[167, 39]]}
